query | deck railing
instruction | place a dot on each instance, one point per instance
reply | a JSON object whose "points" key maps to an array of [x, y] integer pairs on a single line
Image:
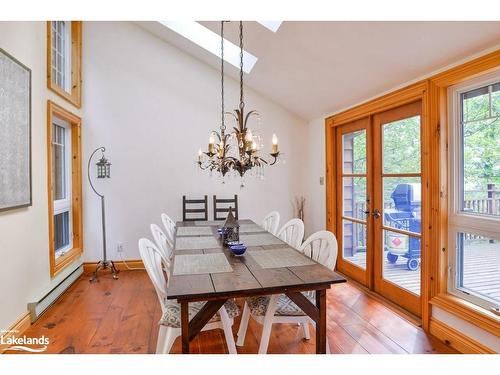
{"points": [[489, 206]]}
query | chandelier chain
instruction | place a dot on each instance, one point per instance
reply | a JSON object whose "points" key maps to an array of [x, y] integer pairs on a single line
{"points": [[242, 103], [223, 125]]}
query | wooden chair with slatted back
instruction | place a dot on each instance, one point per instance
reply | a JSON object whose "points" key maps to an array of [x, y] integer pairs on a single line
{"points": [[222, 206], [187, 213]]}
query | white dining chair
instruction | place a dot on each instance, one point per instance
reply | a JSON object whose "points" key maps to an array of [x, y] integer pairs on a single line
{"points": [[278, 308], [322, 247], [170, 322], [271, 222], [162, 242], [292, 233], [169, 225]]}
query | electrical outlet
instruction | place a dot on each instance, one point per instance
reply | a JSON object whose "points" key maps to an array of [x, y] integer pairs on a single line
{"points": [[120, 247]]}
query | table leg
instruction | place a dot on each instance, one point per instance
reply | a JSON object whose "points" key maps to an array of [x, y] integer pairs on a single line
{"points": [[185, 326], [321, 322]]}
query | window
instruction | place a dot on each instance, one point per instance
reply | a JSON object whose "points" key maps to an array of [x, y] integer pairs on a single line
{"points": [[474, 217], [210, 41], [61, 182], [64, 181], [64, 59], [61, 54]]}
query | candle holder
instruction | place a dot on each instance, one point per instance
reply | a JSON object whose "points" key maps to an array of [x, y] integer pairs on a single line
{"points": [[275, 156], [231, 229], [210, 154]]}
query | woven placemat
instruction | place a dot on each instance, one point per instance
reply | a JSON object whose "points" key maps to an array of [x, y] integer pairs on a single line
{"points": [[251, 228], [259, 239], [194, 231], [201, 264], [280, 258], [209, 223], [190, 243]]}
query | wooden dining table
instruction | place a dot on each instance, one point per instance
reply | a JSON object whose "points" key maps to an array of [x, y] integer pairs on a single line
{"points": [[205, 270]]}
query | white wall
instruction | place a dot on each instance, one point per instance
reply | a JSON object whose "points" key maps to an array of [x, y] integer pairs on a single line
{"points": [[315, 215], [24, 247], [153, 106]]}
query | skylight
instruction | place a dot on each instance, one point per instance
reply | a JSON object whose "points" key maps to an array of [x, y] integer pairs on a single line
{"points": [[210, 41], [271, 25]]}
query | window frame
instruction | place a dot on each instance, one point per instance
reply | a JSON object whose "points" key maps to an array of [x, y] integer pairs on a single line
{"points": [[460, 221], [65, 46], [64, 205], [75, 195], [74, 94]]}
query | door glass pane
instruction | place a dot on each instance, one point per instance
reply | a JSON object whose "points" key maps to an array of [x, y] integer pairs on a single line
{"points": [[58, 162], [355, 197], [478, 266], [401, 261], [354, 152], [401, 146], [480, 138], [61, 232], [402, 203], [354, 243]]}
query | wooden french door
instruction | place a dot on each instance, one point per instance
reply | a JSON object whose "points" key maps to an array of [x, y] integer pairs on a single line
{"points": [[379, 200], [354, 158]]}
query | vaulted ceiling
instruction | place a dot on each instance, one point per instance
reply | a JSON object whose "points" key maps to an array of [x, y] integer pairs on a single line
{"points": [[317, 68]]}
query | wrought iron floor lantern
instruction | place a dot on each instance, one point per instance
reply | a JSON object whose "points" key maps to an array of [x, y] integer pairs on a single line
{"points": [[103, 171]]}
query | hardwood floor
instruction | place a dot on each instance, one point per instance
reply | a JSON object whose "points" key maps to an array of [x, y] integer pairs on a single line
{"points": [[120, 316]]}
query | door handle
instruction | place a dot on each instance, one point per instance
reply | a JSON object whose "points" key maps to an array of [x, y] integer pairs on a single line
{"points": [[376, 213]]}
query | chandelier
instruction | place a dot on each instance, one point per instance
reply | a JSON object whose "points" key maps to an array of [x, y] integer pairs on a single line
{"points": [[235, 152]]}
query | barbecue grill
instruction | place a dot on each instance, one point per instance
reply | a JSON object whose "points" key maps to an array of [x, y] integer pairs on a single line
{"points": [[405, 216]]}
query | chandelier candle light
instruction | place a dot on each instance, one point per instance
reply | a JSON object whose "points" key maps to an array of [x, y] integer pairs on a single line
{"points": [[238, 151]]}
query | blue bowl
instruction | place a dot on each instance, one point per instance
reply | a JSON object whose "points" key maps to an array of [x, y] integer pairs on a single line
{"points": [[238, 249]]}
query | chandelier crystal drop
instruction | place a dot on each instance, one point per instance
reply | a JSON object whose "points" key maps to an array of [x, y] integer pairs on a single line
{"points": [[236, 152]]}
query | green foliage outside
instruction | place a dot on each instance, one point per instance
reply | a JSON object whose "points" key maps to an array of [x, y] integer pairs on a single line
{"points": [[401, 149], [481, 130]]}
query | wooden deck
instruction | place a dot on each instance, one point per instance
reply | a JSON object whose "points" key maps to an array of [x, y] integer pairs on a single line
{"points": [[481, 270]]}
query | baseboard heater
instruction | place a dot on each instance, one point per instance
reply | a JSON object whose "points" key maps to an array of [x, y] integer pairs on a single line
{"points": [[36, 309]]}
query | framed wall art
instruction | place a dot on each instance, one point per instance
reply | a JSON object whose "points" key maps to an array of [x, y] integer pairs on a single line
{"points": [[15, 133]]}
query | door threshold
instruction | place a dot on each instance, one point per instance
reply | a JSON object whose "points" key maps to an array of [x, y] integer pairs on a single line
{"points": [[405, 314]]}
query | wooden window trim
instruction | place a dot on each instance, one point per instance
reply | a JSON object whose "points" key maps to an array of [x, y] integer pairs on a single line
{"points": [[438, 96], [75, 97], [474, 314], [57, 265], [457, 339], [433, 93]]}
